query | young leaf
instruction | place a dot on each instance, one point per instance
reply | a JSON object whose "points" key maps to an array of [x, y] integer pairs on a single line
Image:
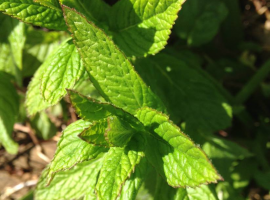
{"points": [[9, 107], [199, 20], [71, 150], [76, 183], [143, 27], [184, 163], [190, 97], [63, 69], [133, 184], [34, 13], [93, 110], [117, 167], [108, 132], [110, 71]]}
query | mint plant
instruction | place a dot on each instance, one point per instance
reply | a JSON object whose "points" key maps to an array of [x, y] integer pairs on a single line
{"points": [[139, 105]]}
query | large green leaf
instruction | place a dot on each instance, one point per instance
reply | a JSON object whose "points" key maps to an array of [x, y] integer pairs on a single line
{"points": [[142, 27], [71, 150], [118, 165], [30, 12], [199, 20], [190, 97], [76, 183], [63, 69], [110, 71], [9, 108], [173, 154]]}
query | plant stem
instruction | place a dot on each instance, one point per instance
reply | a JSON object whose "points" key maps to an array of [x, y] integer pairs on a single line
{"points": [[253, 83]]}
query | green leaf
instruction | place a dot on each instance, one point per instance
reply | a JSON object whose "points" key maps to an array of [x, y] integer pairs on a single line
{"points": [[9, 108], [110, 71], [38, 46], [71, 150], [190, 97], [43, 126], [12, 38], [143, 27], [76, 183], [200, 193], [174, 155], [34, 13], [63, 69], [110, 132], [93, 110], [133, 184], [95, 11], [34, 101], [54, 4], [199, 21], [118, 165]]}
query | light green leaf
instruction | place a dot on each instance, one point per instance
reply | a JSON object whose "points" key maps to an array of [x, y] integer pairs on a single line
{"points": [[34, 13], [93, 110], [76, 183], [133, 184], [110, 71], [54, 4], [71, 150], [34, 101], [9, 108], [201, 193], [38, 46], [142, 27], [63, 69], [174, 155], [118, 165], [95, 134], [95, 11], [12, 38], [190, 97], [110, 132], [199, 20], [43, 126]]}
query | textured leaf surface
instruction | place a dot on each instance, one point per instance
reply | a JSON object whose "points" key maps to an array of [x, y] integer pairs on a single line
{"points": [[72, 184], [111, 73], [190, 97], [133, 184], [34, 13], [54, 4], [108, 132], [200, 193], [143, 27], [199, 20], [117, 167], [185, 164], [63, 69], [9, 108], [93, 110], [72, 150]]}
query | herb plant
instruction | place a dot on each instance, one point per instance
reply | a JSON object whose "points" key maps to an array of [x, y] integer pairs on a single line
{"points": [[131, 139]]}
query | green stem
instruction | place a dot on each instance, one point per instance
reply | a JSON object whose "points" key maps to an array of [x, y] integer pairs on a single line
{"points": [[253, 83]]}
